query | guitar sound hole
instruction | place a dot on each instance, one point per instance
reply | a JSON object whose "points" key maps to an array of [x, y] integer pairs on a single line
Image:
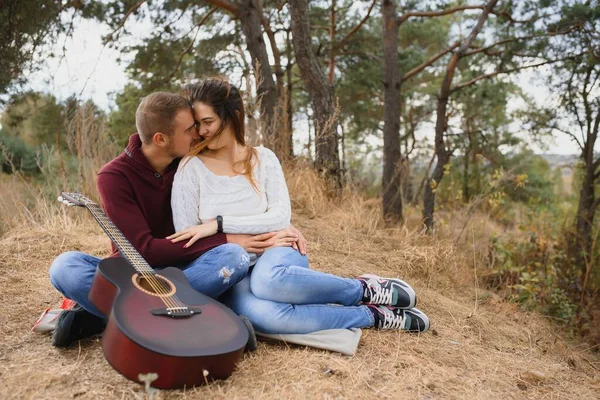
{"points": [[155, 285]]}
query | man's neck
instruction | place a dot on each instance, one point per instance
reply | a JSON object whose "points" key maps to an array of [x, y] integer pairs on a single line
{"points": [[157, 158]]}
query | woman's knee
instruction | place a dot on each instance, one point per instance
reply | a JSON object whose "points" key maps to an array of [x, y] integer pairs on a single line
{"points": [[284, 256], [267, 277]]}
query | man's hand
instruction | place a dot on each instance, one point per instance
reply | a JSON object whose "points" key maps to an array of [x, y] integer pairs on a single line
{"points": [[301, 244]]}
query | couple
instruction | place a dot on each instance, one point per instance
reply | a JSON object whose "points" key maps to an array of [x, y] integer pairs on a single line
{"points": [[222, 215]]}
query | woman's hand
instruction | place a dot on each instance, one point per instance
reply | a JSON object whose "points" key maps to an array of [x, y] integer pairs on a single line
{"points": [[301, 244], [283, 238], [194, 233]]}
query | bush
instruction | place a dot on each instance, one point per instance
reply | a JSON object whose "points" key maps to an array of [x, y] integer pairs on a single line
{"points": [[16, 154], [532, 271]]}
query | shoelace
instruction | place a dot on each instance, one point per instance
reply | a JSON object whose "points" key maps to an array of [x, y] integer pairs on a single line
{"points": [[393, 321], [380, 295]]}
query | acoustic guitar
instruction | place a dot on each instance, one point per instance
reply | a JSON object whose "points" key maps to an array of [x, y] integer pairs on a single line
{"points": [[157, 323]]}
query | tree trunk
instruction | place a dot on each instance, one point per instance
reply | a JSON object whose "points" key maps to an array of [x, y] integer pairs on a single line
{"points": [[327, 158], [467, 156], [586, 209], [289, 111], [441, 152], [249, 14], [391, 183]]}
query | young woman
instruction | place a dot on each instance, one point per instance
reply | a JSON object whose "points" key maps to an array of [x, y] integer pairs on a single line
{"points": [[224, 185]]}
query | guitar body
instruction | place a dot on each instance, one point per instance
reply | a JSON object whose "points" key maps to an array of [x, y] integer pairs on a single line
{"points": [[183, 351]]}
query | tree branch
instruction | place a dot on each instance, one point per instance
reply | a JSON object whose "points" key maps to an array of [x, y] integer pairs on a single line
{"points": [[343, 42], [478, 26], [507, 71], [127, 14], [511, 40], [427, 63], [273, 43], [441, 13], [575, 138], [189, 48], [506, 14], [226, 5]]}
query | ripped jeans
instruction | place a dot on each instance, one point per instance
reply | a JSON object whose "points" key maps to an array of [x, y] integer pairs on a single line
{"points": [[212, 273]]}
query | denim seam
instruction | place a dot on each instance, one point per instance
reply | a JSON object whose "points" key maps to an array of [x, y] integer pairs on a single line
{"points": [[370, 315]]}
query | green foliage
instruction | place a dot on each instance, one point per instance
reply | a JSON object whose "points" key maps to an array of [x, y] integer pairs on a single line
{"points": [[524, 178], [121, 122], [539, 187], [36, 123], [24, 27], [15, 153], [34, 117], [533, 272]]}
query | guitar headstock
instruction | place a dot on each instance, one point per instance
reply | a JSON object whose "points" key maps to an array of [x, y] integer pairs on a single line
{"points": [[75, 199]]}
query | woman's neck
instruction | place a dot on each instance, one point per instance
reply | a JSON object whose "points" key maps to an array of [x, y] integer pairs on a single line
{"points": [[230, 153]]}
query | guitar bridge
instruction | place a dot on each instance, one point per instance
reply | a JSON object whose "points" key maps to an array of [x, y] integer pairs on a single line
{"points": [[176, 312]]}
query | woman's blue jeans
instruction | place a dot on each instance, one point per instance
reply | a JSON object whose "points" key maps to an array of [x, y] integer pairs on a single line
{"points": [[282, 295], [213, 273]]}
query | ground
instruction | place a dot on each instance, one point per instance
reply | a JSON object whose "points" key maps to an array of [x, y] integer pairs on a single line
{"points": [[480, 346]]}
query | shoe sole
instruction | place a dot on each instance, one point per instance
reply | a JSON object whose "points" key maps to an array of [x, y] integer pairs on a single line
{"points": [[420, 315], [411, 292]]}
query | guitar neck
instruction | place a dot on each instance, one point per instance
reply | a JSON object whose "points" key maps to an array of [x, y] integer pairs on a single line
{"points": [[116, 236]]}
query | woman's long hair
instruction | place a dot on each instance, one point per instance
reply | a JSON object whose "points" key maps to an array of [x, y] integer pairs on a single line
{"points": [[227, 103]]}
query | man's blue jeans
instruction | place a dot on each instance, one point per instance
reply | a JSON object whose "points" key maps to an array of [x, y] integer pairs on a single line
{"points": [[213, 273], [282, 295]]}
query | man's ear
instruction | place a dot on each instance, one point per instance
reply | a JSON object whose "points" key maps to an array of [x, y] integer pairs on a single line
{"points": [[160, 139]]}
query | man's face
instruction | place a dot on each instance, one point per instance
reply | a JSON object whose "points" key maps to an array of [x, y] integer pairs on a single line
{"points": [[184, 134]]}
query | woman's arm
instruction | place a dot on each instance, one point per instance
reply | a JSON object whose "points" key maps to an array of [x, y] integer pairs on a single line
{"points": [[185, 195], [279, 210]]}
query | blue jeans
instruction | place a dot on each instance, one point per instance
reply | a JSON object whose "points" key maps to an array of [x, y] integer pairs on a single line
{"points": [[212, 273], [282, 295]]}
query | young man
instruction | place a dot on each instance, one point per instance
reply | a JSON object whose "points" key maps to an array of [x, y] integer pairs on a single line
{"points": [[135, 189]]}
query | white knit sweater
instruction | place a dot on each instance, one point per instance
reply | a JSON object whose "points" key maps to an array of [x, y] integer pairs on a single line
{"points": [[199, 196]]}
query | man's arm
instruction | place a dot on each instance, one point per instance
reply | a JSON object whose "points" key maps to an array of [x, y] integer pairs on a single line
{"points": [[120, 206]]}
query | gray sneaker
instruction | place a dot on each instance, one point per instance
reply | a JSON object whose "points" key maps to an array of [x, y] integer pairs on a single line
{"points": [[413, 320], [387, 292]]}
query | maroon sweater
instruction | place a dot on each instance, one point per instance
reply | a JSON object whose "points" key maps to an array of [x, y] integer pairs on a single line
{"points": [[138, 200]]}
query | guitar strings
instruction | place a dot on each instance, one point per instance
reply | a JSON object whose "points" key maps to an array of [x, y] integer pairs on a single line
{"points": [[131, 254], [142, 267]]}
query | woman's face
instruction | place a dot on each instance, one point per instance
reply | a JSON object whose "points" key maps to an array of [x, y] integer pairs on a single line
{"points": [[209, 124]]}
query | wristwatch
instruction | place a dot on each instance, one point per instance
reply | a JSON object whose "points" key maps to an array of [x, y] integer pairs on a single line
{"points": [[219, 224]]}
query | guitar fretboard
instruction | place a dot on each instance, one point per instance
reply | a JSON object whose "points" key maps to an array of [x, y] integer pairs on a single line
{"points": [[125, 248]]}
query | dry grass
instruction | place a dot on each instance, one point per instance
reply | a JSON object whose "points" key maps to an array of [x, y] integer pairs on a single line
{"points": [[479, 346]]}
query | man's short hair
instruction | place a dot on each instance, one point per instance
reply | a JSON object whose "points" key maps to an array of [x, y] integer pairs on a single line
{"points": [[156, 113]]}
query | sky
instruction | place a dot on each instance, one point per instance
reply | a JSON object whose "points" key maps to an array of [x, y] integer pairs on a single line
{"points": [[89, 70], [85, 68]]}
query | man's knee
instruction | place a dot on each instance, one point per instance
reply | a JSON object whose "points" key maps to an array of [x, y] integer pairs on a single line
{"points": [[63, 265], [236, 257]]}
